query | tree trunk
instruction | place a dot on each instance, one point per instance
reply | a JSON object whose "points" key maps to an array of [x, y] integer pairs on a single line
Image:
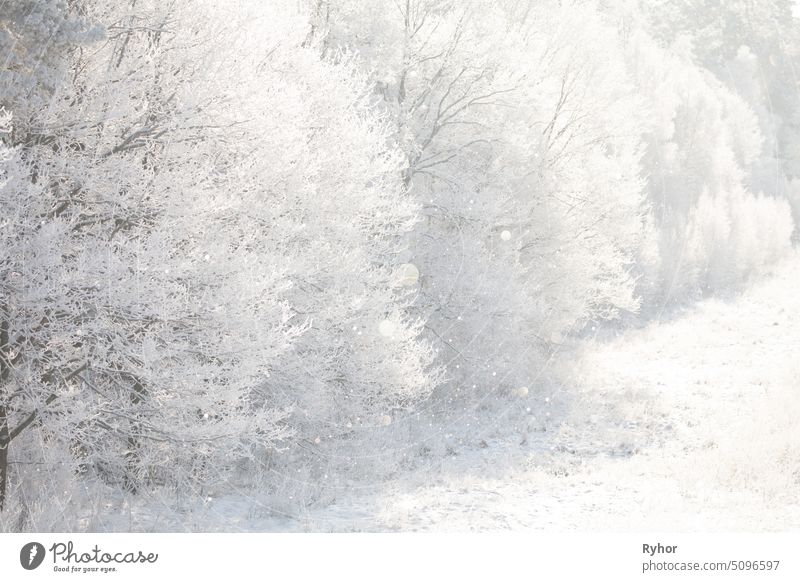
{"points": [[4, 444], [5, 436]]}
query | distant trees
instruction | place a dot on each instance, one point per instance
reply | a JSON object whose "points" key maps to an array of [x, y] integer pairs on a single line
{"points": [[753, 48], [718, 220]]}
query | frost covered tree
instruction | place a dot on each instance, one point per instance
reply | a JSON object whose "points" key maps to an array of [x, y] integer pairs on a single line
{"points": [[532, 200], [126, 344], [191, 252], [34, 40]]}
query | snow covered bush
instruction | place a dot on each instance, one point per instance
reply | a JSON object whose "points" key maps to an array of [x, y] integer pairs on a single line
{"points": [[346, 216]]}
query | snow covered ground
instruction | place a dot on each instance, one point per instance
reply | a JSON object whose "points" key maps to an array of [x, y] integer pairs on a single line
{"points": [[689, 423]]}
